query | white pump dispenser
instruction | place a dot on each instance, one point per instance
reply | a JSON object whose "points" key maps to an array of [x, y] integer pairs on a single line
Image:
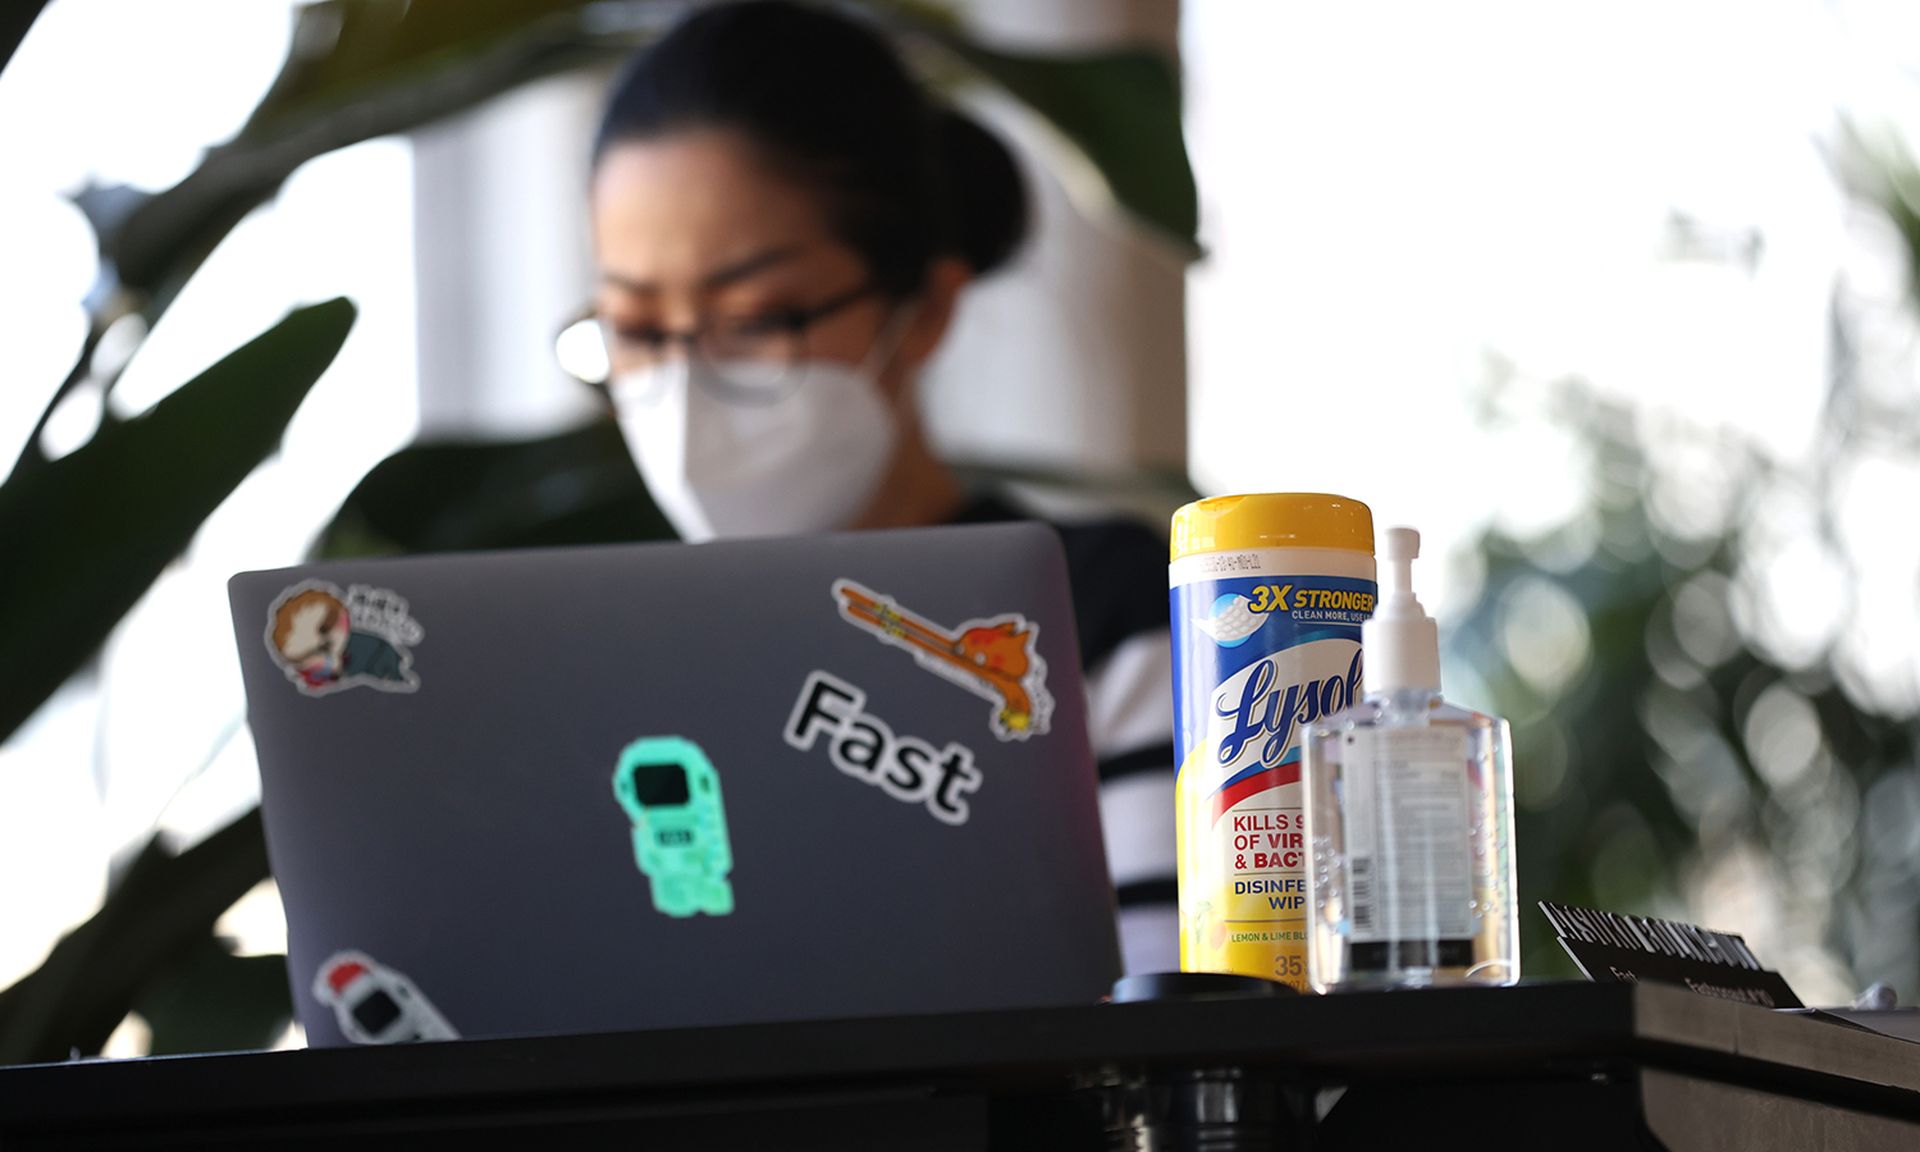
{"points": [[1409, 816], [1401, 642]]}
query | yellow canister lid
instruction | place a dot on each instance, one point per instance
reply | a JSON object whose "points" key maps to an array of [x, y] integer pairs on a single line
{"points": [[1272, 520]]}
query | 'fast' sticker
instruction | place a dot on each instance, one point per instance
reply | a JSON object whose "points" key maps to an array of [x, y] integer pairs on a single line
{"points": [[866, 748]]}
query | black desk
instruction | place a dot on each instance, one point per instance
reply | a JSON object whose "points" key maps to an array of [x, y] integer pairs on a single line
{"points": [[1563, 1066]]}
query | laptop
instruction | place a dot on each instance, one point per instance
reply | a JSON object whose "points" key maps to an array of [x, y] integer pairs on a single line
{"points": [[668, 785]]}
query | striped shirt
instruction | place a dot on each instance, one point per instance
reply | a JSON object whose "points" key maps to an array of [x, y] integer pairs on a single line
{"points": [[1118, 573]]}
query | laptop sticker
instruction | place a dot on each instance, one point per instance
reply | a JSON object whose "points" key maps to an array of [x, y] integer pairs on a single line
{"points": [[995, 658], [865, 747], [375, 1004], [670, 791], [327, 640]]}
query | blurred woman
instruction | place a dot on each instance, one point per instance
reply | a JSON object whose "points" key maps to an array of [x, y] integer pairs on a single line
{"points": [[784, 224]]}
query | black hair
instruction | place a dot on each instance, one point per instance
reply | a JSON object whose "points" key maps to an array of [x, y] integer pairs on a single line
{"points": [[904, 180]]}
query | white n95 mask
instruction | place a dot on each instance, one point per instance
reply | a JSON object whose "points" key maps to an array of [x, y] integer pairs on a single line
{"points": [[809, 462]]}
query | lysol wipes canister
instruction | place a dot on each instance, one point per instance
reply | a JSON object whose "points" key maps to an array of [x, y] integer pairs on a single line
{"points": [[1268, 594]]}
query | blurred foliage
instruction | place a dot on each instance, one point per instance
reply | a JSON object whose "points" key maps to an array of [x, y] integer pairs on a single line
{"points": [[148, 946], [97, 525], [1668, 761], [576, 487], [1686, 744], [1119, 112]]}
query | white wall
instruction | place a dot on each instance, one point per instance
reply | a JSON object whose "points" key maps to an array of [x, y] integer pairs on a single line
{"points": [[501, 240], [1076, 355]]}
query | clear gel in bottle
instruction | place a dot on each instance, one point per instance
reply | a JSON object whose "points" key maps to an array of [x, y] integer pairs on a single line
{"points": [[1409, 814]]}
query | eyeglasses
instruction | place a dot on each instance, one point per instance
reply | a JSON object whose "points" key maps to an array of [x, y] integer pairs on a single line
{"points": [[754, 359]]}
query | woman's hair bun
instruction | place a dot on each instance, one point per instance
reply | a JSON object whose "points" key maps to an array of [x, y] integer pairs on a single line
{"points": [[987, 194]]}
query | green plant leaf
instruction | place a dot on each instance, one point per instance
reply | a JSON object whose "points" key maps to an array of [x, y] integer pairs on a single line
{"points": [[84, 536], [16, 19], [213, 1001], [158, 916], [1121, 111], [345, 49], [359, 69], [576, 487]]}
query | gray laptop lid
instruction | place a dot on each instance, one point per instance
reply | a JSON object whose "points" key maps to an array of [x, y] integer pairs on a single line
{"points": [[663, 785]]}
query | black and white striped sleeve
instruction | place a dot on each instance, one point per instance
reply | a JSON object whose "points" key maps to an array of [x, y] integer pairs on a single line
{"points": [[1130, 714], [1118, 572]]}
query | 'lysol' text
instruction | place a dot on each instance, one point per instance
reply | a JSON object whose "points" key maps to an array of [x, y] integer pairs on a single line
{"points": [[1264, 709]]}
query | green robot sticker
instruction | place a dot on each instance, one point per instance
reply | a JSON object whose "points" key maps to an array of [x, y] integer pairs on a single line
{"points": [[672, 794]]}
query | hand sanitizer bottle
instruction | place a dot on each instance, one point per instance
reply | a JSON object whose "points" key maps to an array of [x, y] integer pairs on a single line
{"points": [[1409, 815]]}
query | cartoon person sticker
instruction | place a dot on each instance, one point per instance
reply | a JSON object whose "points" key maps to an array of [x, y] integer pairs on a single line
{"points": [[324, 645], [671, 793]]}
